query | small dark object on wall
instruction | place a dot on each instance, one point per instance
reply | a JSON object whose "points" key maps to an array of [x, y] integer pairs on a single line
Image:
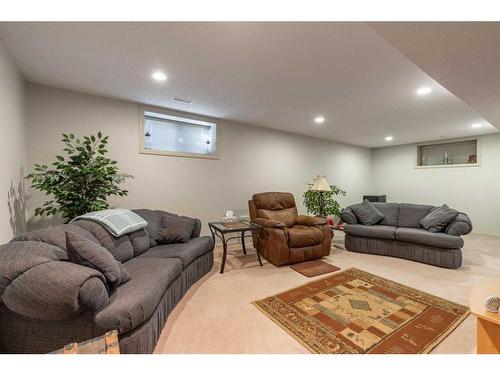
{"points": [[375, 198]]}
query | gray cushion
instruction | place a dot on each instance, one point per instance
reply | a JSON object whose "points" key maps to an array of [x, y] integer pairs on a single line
{"points": [[89, 254], [134, 302], [186, 252], [154, 224], [175, 229], [390, 211], [120, 248], [140, 241], [373, 231], [423, 237], [411, 214], [366, 213], [439, 217]]}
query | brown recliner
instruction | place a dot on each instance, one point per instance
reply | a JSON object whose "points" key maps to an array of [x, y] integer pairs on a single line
{"points": [[287, 237]]}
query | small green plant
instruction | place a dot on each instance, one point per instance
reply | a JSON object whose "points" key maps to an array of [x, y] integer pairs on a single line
{"points": [[312, 201], [80, 181]]}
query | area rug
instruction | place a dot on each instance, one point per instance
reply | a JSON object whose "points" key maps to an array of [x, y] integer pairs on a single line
{"points": [[236, 259], [314, 268], [357, 312]]}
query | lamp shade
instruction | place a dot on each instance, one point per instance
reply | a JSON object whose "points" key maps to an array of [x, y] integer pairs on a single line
{"points": [[321, 184]]}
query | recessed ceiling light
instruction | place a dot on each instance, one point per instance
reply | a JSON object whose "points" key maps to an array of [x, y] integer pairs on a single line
{"points": [[319, 119], [424, 90], [159, 76], [477, 125], [389, 138]]}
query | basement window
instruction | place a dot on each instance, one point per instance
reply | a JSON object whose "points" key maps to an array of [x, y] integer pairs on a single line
{"points": [[458, 153], [168, 133]]}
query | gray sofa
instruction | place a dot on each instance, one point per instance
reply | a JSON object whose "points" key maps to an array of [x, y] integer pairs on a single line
{"points": [[399, 235], [47, 301]]}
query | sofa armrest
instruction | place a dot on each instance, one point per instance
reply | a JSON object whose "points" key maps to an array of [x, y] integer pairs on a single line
{"points": [[460, 226], [37, 283], [310, 221], [347, 216], [268, 223], [56, 291]]}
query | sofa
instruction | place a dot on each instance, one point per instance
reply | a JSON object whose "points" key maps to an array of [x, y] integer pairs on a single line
{"points": [[48, 301], [399, 234], [287, 237]]}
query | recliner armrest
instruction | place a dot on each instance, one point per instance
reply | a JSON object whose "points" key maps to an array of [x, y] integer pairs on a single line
{"points": [[268, 223], [310, 220]]}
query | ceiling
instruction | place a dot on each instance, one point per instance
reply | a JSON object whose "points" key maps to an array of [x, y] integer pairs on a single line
{"points": [[463, 56], [276, 75]]}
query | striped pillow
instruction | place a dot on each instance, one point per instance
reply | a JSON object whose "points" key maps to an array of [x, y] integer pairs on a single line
{"points": [[118, 221]]}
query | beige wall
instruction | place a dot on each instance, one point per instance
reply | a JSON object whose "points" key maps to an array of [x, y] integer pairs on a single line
{"points": [[253, 159], [12, 148], [474, 190]]}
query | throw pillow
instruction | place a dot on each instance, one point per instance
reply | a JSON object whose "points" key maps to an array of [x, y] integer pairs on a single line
{"points": [[367, 213], [175, 229], [89, 254], [439, 217]]}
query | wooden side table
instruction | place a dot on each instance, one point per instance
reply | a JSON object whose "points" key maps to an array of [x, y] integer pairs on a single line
{"points": [[488, 323]]}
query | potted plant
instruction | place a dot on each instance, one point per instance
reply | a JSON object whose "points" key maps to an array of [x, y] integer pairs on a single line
{"points": [[80, 181], [323, 203]]}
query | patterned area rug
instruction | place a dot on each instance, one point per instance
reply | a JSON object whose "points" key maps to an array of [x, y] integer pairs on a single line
{"points": [[357, 312], [314, 268]]}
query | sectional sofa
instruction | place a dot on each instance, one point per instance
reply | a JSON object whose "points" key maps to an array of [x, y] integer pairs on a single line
{"points": [[399, 234], [47, 301]]}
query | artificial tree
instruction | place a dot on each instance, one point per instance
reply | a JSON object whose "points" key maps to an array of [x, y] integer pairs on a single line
{"points": [[314, 200], [79, 182]]}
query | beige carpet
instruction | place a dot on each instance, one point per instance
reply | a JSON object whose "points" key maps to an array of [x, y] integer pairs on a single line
{"points": [[216, 315]]}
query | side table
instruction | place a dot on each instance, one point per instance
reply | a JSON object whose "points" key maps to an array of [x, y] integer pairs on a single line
{"points": [[106, 344], [488, 323], [221, 229]]}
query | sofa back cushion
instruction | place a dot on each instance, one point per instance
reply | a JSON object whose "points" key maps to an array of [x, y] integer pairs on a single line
{"points": [[120, 247], [390, 212], [175, 229], [411, 214], [55, 235], [154, 224], [89, 254], [140, 241]]}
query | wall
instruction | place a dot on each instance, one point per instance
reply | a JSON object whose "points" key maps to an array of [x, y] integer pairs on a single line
{"points": [[253, 159], [474, 190], [12, 148]]}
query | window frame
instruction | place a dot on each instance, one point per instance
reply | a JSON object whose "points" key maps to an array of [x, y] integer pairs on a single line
{"points": [[444, 142], [186, 115]]}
